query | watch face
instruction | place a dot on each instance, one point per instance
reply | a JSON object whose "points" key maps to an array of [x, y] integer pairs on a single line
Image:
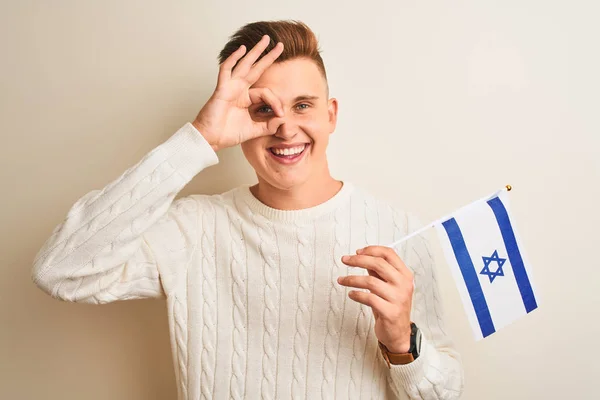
{"points": [[418, 342], [415, 341]]}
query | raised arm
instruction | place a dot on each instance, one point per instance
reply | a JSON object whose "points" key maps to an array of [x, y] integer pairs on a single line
{"points": [[128, 240]]}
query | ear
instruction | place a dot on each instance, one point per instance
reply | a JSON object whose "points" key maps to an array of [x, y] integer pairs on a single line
{"points": [[332, 109]]}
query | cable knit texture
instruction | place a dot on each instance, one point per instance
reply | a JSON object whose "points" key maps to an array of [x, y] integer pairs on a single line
{"points": [[254, 307], [239, 291]]}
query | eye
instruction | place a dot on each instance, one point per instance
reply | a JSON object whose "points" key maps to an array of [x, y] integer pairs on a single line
{"points": [[264, 110], [302, 106]]}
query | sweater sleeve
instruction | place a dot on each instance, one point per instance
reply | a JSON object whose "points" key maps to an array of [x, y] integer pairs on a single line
{"points": [[437, 373], [109, 246]]}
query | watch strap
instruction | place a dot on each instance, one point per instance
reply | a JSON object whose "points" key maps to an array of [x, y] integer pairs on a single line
{"points": [[404, 358], [395, 358]]}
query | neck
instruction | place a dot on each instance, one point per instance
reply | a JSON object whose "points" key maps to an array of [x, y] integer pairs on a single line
{"points": [[306, 195]]}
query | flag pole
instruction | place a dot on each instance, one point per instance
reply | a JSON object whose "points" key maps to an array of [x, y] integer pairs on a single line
{"points": [[508, 188]]}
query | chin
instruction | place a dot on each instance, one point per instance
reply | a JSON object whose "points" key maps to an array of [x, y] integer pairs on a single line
{"points": [[284, 183]]}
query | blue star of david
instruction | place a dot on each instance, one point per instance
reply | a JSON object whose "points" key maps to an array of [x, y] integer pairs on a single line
{"points": [[486, 269]]}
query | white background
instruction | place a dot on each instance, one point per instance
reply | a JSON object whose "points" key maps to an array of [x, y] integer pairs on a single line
{"points": [[440, 103]]}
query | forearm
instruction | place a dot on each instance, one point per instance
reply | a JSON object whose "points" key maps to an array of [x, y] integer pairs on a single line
{"points": [[437, 373]]}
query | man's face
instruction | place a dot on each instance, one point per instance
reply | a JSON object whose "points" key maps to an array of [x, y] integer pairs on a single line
{"points": [[295, 154]]}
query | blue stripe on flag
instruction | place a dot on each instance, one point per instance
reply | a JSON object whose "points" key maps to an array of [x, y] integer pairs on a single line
{"points": [[470, 276], [510, 242]]}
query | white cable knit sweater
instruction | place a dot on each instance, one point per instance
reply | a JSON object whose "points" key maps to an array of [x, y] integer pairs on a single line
{"points": [[253, 304]]}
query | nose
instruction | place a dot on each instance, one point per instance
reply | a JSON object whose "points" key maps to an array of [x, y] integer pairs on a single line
{"points": [[288, 129]]}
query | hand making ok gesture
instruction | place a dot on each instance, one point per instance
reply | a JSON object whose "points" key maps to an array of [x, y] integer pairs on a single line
{"points": [[225, 121]]}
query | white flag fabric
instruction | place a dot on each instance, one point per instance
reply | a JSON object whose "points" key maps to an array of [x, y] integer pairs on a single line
{"points": [[487, 261]]}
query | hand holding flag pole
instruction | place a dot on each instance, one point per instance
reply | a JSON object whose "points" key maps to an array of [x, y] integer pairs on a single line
{"points": [[474, 238]]}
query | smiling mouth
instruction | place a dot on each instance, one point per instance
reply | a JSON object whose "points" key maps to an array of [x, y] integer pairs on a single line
{"points": [[289, 153]]}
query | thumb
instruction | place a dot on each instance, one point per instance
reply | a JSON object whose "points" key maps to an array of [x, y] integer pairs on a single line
{"points": [[273, 125]]}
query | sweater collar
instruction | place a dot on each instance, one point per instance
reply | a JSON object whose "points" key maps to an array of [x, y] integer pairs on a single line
{"points": [[306, 214]]}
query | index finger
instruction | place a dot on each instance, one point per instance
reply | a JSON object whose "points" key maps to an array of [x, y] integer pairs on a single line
{"points": [[267, 96], [377, 265], [389, 255]]}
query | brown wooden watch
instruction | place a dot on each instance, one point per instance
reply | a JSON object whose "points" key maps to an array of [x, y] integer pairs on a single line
{"points": [[404, 358]]}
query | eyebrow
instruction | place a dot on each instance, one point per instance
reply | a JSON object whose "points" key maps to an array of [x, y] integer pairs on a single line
{"points": [[305, 97]]}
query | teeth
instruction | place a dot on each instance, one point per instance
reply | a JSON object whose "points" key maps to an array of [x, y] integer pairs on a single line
{"points": [[288, 152]]}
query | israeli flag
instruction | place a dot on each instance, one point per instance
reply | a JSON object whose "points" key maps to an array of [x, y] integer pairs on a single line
{"points": [[487, 261]]}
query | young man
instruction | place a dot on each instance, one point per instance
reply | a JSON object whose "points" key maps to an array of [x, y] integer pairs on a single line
{"points": [[255, 279]]}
